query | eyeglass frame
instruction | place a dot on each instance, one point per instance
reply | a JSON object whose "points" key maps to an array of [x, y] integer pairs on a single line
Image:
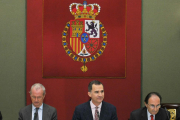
{"points": [[39, 97], [153, 106]]}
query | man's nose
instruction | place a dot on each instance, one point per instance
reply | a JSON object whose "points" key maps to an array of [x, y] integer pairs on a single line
{"points": [[100, 94], [155, 108]]}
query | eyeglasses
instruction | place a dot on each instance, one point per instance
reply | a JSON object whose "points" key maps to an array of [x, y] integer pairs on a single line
{"points": [[153, 106], [39, 97]]}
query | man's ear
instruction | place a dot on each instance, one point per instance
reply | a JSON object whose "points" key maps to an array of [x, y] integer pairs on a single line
{"points": [[44, 96], [89, 94], [145, 104]]}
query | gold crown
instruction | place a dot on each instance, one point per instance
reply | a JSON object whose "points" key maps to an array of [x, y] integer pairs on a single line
{"points": [[82, 11]]}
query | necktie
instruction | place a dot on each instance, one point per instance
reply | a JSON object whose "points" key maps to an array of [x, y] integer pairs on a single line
{"points": [[152, 117], [96, 114], [36, 114]]}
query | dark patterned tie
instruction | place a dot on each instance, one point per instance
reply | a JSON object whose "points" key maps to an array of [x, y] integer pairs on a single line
{"points": [[96, 114], [152, 117], [36, 114]]}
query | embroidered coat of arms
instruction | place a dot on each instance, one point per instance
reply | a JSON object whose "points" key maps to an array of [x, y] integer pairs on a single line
{"points": [[84, 39]]}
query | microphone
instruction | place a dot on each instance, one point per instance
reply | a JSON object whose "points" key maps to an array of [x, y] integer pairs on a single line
{"points": [[35, 114], [167, 113]]}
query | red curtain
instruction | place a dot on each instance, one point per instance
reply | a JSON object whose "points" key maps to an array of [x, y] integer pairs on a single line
{"points": [[122, 23], [56, 62]]}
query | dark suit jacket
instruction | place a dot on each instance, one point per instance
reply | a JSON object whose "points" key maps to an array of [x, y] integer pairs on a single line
{"points": [[83, 112], [141, 114], [0, 116], [49, 113], [178, 114]]}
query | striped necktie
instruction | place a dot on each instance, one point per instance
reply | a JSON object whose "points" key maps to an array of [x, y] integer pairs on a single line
{"points": [[96, 114]]}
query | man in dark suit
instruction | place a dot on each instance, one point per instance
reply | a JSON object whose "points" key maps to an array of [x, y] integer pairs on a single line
{"points": [[152, 111], [37, 110], [0, 116], [178, 114], [96, 108]]}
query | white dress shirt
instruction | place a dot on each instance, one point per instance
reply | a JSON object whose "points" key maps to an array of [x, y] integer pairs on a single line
{"points": [[93, 108], [40, 111], [149, 115]]}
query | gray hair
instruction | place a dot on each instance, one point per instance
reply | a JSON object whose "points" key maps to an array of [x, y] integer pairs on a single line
{"points": [[38, 86]]}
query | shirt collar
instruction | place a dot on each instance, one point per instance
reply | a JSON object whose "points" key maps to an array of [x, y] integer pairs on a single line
{"points": [[33, 107], [93, 106], [148, 114]]}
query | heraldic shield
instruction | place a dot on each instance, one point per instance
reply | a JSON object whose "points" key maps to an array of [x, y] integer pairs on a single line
{"points": [[84, 39]]}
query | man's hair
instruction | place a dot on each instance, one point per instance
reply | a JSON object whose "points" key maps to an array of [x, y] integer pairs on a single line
{"points": [[151, 94], [95, 82], [38, 86]]}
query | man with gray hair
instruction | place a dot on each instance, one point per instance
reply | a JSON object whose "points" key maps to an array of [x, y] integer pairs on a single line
{"points": [[37, 110]]}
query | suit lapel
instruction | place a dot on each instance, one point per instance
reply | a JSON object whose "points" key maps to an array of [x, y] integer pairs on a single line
{"points": [[29, 112], [87, 111], [104, 112], [45, 112], [144, 114], [158, 116]]}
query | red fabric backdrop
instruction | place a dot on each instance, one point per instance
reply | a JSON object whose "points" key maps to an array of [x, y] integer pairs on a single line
{"points": [[65, 94], [56, 63]]}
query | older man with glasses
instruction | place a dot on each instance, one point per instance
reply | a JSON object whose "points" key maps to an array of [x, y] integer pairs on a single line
{"points": [[37, 110], [152, 110]]}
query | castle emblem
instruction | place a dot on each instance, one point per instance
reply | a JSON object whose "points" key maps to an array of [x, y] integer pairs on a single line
{"points": [[84, 39]]}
